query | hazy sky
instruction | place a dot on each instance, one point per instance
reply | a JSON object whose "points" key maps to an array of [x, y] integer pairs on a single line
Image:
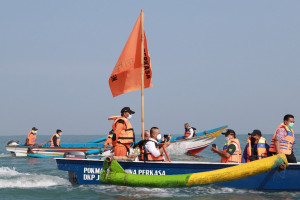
{"points": [[214, 63]]}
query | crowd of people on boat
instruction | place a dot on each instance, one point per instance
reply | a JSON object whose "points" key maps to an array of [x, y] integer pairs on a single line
{"points": [[153, 145], [257, 148]]}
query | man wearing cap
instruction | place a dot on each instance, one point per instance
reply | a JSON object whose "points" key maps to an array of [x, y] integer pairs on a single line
{"points": [[123, 134], [55, 139], [284, 138], [232, 149], [31, 137], [256, 148]]}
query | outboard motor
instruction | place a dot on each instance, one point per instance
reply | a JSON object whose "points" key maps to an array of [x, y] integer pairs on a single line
{"points": [[13, 143], [74, 154]]}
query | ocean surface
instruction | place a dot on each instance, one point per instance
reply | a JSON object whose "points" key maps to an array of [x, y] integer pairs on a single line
{"points": [[36, 178]]}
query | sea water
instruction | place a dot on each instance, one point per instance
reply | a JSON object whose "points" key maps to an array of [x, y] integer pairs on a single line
{"points": [[39, 178]]}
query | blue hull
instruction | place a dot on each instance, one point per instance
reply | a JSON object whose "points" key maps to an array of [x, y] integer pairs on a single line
{"points": [[86, 171]]}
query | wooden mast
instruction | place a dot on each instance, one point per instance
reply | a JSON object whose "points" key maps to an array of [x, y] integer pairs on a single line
{"points": [[142, 73]]}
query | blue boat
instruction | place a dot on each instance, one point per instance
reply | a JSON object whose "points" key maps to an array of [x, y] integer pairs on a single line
{"points": [[87, 171]]}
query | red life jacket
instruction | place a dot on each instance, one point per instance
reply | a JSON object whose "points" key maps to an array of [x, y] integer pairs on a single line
{"points": [[127, 134], [57, 140], [236, 157], [261, 148], [147, 156], [286, 145]]}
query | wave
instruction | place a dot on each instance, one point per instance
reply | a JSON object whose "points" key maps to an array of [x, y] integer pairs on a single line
{"points": [[10, 178]]}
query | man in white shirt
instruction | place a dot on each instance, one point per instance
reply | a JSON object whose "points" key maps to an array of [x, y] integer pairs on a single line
{"points": [[189, 131], [152, 144]]}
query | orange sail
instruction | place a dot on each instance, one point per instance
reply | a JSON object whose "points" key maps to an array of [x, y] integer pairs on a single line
{"points": [[126, 76]]}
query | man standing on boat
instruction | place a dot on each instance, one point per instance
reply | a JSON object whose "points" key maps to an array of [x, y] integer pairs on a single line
{"points": [[256, 148], [284, 138], [55, 140], [31, 137], [151, 150], [232, 149], [123, 134]]}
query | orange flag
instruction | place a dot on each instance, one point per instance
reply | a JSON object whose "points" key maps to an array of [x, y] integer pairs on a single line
{"points": [[126, 76]]}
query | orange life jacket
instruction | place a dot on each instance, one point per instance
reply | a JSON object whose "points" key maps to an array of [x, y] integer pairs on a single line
{"points": [[261, 148], [31, 138], [127, 134], [286, 145], [147, 156], [236, 157], [57, 140], [187, 133]]}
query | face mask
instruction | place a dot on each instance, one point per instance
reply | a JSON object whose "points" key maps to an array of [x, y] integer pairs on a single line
{"points": [[227, 138], [291, 125], [129, 117], [158, 137]]}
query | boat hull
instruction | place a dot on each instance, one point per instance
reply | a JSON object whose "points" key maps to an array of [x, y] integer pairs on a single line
{"points": [[20, 151], [87, 171]]}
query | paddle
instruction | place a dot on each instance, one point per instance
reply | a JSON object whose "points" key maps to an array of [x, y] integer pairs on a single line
{"points": [[41, 144]]}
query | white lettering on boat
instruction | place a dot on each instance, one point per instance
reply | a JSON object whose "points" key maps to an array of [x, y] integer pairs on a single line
{"points": [[91, 174]]}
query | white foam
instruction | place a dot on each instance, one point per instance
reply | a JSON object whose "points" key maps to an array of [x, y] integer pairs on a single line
{"points": [[10, 178]]}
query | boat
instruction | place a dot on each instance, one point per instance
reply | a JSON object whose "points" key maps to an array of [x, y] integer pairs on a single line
{"points": [[44, 151], [113, 173], [191, 146], [84, 171]]}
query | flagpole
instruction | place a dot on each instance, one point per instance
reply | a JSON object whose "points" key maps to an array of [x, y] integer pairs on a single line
{"points": [[142, 73]]}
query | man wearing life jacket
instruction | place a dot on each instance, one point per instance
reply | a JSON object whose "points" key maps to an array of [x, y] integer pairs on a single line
{"points": [[189, 131], [284, 138], [123, 134], [151, 150], [232, 149], [256, 148], [55, 140], [31, 137]]}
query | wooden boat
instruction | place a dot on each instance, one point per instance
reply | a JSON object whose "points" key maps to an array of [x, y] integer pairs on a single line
{"points": [[87, 171], [193, 146]]}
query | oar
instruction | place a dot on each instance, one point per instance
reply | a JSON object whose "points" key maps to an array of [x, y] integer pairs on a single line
{"points": [[41, 144]]}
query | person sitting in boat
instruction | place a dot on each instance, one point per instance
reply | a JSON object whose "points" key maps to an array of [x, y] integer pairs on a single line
{"points": [[189, 131], [284, 138], [109, 140], [232, 149], [142, 143], [55, 140], [123, 133], [31, 137], [256, 148], [151, 151]]}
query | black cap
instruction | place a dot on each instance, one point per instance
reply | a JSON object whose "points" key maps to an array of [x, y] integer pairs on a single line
{"points": [[228, 132], [58, 130], [34, 128], [127, 109], [255, 132]]}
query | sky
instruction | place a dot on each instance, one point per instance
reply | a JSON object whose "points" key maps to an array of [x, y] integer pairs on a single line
{"points": [[214, 63]]}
